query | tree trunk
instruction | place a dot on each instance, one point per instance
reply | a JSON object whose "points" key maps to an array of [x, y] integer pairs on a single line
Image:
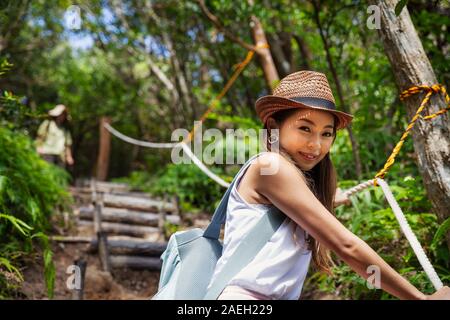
{"points": [[104, 150], [304, 51], [280, 60], [431, 138], [270, 72], [268, 66]]}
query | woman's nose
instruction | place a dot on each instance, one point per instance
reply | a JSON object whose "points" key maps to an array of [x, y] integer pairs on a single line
{"points": [[314, 143]]}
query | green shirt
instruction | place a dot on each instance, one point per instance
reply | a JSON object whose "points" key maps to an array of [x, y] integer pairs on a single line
{"points": [[53, 139]]}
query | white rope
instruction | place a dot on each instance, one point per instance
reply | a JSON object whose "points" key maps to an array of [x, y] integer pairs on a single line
{"points": [[404, 226], [418, 250], [358, 188], [202, 167], [183, 145], [146, 144]]}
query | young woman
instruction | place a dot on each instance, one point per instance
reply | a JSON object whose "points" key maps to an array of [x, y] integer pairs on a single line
{"points": [[302, 122]]}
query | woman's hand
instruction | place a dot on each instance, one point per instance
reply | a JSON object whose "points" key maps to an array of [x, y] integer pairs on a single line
{"points": [[442, 294], [340, 198], [69, 160]]}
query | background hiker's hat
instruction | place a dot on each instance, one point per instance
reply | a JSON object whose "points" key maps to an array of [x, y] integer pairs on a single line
{"points": [[58, 110], [302, 89]]}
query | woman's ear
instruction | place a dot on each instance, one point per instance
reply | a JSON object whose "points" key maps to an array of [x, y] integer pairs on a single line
{"points": [[272, 124]]}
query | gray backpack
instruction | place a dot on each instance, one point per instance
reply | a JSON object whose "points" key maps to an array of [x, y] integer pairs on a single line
{"points": [[191, 256]]}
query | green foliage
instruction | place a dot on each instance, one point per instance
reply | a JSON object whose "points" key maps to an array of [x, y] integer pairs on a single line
{"points": [[195, 191], [31, 190], [399, 7]]}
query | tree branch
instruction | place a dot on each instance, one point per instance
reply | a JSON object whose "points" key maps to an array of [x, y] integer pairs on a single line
{"points": [[221, 28]]}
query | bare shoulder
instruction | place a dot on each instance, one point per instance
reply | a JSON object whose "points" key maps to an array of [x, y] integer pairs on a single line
{"points": [[272, 166], [276, 177], [264, 164]]}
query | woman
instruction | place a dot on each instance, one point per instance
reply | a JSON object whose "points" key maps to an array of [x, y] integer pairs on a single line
{"points": [[302, 122], [54, 141]]}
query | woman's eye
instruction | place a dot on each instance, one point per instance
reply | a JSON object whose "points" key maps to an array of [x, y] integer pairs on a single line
{"points": [[328, 134], [305, 129]]}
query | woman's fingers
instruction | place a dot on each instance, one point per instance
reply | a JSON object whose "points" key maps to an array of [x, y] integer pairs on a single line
{"points": [[442, 294]]}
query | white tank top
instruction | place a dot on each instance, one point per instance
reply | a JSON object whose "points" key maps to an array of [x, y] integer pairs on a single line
{"points": [[279, 269]]}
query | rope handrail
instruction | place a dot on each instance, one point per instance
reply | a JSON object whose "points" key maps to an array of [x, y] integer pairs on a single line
{"points": [[437, 88], [183, 145], [141, 143]]}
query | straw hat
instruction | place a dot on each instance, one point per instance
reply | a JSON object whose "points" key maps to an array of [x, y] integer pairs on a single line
{"points": [[302, 89], [57, 111]]}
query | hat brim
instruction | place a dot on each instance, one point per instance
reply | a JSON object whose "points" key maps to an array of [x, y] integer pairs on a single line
{"points": [[57, 111], [268, 105]]}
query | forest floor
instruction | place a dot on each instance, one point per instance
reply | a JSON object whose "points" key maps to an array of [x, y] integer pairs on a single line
{"points": [[121, 284]]}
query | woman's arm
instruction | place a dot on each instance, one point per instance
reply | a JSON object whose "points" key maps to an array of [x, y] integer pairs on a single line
{"points": [[69, 158], [287, 190], [68, 143]]}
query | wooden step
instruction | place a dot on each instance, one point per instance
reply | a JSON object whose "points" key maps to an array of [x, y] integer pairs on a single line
{"points": [[126, 216], [119, 245], [135, 262], [139, 204], [120, 228]]}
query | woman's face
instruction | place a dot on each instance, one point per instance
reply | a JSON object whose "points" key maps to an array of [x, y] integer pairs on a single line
{"points": [[307, 136], [61, 118]]}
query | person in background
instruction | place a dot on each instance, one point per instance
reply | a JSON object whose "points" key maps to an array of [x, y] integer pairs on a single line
{"points": [[53, 140]]}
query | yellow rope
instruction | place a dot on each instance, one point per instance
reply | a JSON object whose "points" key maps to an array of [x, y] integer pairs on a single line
{"points": [[437, 88], [239, 67]]}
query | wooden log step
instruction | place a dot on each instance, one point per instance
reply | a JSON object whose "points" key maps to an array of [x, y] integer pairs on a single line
{"points": [[120, 228], [126, 216], [85, 239], [86, 191], [120, 245], [136, 262], [102, 186], [133, 248], [134, 203]]}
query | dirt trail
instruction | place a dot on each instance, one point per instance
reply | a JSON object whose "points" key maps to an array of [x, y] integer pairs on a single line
{"points": [[124, 284]]}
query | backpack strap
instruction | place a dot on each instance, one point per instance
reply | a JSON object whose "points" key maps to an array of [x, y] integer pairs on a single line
{"points": [[213, 229], [250, 245]]}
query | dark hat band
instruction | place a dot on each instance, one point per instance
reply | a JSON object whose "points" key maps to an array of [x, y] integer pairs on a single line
{"points": [[317, 102]]}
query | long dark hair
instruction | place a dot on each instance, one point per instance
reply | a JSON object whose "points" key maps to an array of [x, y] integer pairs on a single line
{"points": [[322, 181]]}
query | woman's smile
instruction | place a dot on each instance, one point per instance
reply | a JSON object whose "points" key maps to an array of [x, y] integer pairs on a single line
{"points": [[309, 156]]}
